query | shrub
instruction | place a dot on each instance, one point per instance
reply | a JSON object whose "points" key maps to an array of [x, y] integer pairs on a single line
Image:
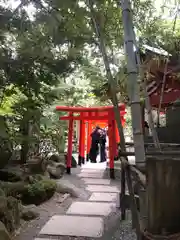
{"points": [[38, 192], [9, 176], [10, 211]]}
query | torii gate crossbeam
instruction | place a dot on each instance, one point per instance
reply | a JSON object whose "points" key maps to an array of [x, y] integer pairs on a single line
{"points": [[85, 115]]}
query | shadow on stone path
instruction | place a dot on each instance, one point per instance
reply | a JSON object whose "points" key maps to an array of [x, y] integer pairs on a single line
{"points": [[94, 216]]}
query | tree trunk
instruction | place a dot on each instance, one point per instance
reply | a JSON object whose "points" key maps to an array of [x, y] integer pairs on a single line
{"points": [[163, 195], [110, 78], [132, 84], [25, 141]]}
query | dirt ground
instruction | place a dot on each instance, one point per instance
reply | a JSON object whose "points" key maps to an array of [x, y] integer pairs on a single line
{"points": [[114, 227]]}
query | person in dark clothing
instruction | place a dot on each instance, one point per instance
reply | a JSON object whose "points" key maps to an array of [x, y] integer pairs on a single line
{"points": [[146, 128], [102, 145], [94, 150]]}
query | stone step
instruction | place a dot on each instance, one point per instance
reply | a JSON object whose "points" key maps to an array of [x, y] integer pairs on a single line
{"points": [[102, 188], [96, 181], [99, 166], [104, 197], [91, 208], [91, 175], [45, 239], [79, 226], [91, 170]]}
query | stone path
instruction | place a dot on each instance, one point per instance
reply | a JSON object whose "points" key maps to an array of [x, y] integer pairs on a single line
{"points": [[85, 218]]}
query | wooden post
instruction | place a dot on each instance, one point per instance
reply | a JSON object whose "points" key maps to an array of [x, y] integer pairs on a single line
{"points": [[143, 116], [69, 152], [80, 143], [143, 209], [163, 195], [89, 129], [114, 139], [82, 153], [123, 192], [111, 149]]}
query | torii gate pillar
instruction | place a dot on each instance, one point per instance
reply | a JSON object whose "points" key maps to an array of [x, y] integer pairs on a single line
{"points": [[89, 115], [70, 137]]}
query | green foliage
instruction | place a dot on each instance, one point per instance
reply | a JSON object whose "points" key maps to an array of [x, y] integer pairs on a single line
{"points": [[10, 213], [50, 57], [38, 192], [35, 58]]}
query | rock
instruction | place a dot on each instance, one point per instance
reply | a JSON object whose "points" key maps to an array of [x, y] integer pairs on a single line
{"points": [[12, 188], [11, 174], [3, 203], [29, 212], [46, 174], [56, 170], [73, 162], [4, 235], [2, 193], [63, 198], [64, 186], [57, 158], [36, 165]]}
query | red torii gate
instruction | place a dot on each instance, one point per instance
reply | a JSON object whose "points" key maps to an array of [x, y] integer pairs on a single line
{"points": [[101, 116]]}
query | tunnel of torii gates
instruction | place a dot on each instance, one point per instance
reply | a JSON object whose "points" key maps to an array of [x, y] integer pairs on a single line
{"points": [[88, 118]]}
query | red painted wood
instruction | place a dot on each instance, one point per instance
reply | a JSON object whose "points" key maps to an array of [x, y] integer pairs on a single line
{"points": [[171, 93], [83, 118], [80, 137], [87, 118], [114, 140], [86, 109], [102, 116], [70, 138], [110, 135], [82, 152], [117, 132], [168, 97]]}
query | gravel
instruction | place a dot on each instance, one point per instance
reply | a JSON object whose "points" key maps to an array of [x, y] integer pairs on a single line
{"points": [[115, 229]]}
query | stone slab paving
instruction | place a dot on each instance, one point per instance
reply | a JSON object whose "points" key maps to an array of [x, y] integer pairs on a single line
{"points": [[74, 226], [91, 175], [97, 165], [85, 218], [104, 197], [91, 170], [43, 239], [91, 208], [96, 181], [102, 188]]}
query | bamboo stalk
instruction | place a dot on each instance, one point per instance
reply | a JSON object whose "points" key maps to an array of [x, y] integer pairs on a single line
{"points": [[152, 153], [152, 144], [134, 96], [133, 88]]}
